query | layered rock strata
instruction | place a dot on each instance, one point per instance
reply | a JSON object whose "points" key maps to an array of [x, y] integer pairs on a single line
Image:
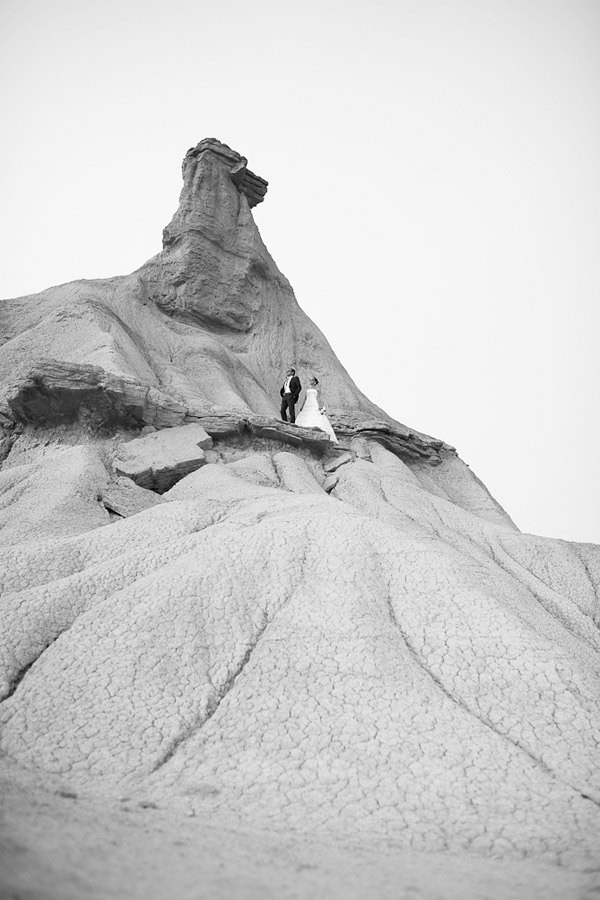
{"points": [[231, 623], [204, 329]]}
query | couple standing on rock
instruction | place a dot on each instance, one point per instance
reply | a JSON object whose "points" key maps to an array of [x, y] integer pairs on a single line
{"points": [[312, 414]]}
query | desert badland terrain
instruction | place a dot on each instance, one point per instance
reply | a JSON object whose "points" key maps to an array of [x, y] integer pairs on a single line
{"points": [[237, 660]]}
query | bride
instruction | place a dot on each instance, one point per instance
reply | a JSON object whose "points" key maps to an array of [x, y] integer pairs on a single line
{"points": [[313, 415]]}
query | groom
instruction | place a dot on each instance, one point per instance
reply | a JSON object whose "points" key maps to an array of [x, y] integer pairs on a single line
{"points": [[290, 392]]}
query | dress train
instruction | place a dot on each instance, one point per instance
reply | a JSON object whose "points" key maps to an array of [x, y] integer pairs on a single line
{"points": [[311, 416]]}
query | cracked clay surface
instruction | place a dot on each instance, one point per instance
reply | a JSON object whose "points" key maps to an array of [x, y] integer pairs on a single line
{"points": [[376, 664]]}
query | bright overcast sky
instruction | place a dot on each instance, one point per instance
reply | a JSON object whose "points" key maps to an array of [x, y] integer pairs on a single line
{"points": [[434, 194]]}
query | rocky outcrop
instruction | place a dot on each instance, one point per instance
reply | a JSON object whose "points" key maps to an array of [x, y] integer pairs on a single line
{"points": [[203, 331], [400, 440], [55, 392], [251, 186]]}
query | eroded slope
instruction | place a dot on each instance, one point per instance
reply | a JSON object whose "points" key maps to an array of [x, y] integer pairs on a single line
{"points": [[375, 661]]}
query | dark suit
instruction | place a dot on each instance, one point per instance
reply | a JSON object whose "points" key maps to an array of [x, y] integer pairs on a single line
{"points": [[289, 399]]}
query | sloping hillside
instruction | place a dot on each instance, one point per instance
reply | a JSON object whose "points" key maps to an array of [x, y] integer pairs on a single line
{"points": [[322, 652]]}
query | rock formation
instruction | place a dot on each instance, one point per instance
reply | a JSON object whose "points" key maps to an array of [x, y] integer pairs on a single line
{"points": [[220, 618]]}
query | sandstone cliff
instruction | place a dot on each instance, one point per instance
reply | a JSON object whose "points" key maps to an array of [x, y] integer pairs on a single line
{"points": [[232, 620]]}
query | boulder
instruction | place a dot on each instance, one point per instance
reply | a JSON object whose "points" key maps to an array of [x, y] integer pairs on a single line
{"points": [[329, 483], [158, 460], [126, 498]]}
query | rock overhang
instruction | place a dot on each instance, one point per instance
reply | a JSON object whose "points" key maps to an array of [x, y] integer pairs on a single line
{"points": [[248, 183]]}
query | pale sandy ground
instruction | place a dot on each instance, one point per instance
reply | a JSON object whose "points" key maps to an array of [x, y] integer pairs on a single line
{"points": [[56, 846]]}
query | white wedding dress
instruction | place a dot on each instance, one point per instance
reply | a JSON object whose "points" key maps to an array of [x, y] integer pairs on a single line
{"points": [[312, 417]]}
